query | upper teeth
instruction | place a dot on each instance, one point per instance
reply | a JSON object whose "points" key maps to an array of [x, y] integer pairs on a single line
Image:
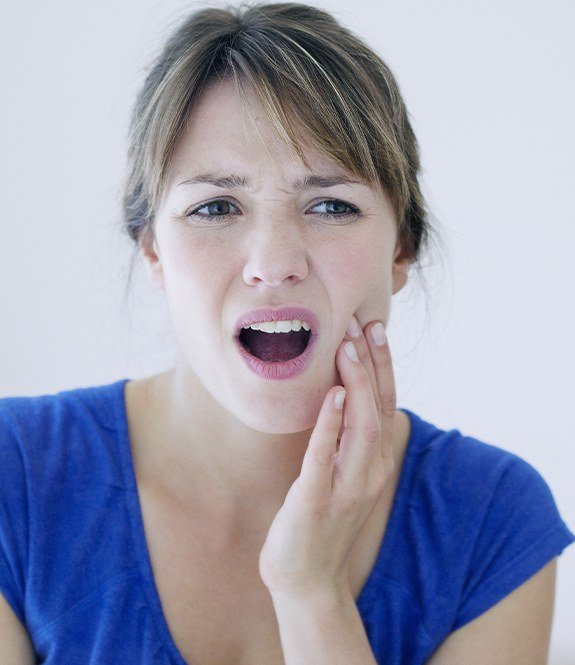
{"points": [[279, 326]]}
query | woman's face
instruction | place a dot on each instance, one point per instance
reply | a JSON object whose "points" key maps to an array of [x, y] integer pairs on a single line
{"points": [[264, 238]]}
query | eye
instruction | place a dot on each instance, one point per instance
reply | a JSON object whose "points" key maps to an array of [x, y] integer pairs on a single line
{"points": [[337, 209], [220, 208]]}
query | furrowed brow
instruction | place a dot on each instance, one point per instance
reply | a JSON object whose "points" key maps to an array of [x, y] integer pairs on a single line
{"points": [[233, 181], [311, 181], [227, 182]]}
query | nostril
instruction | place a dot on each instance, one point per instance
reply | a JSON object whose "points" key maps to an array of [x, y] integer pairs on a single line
{"points": [[275, 270]]}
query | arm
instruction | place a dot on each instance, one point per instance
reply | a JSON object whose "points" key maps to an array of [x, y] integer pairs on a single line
{"points": [[15, 645], [304, 562], [304, 556], [516, 631], [322, 631]]}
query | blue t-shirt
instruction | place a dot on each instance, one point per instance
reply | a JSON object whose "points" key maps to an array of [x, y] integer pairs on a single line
{"points": [[469, 524]]}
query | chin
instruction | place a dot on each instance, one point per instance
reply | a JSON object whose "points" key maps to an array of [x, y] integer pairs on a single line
{"points": [[275, 425], [288, 417]]}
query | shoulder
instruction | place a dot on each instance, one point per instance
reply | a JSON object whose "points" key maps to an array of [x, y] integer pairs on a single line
{"points": [[48, 441], [460, 466], [40, 422], [482, 519], [64, 464], [475, 491]]}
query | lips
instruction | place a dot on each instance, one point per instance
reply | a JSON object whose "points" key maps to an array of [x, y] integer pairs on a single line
{"points": [[288, 369]]}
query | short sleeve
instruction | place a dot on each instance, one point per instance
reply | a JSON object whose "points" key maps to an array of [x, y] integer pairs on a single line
{"points": [[13, 515], [521, 532]]}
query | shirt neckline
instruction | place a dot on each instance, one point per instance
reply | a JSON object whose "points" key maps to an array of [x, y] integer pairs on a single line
{"points": [[137, 526], [370, 587]]}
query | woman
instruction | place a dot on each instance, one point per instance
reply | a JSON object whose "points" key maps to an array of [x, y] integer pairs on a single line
{"points": [[264, 501]]}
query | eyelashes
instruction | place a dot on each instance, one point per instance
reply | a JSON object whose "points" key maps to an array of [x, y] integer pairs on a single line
{"points": [[352, 211], [219, 210]]}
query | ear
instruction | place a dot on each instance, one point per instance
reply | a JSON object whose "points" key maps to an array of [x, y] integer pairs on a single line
{"points": [[152, 260], [400, 269]]}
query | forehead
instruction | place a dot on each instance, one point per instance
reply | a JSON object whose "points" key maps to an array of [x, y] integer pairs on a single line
{"points": [[225, 133]]}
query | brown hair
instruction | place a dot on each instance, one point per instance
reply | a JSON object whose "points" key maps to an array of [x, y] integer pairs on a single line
{"points": [[307, 71]]}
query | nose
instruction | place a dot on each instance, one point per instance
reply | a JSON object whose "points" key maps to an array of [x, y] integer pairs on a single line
{"points": [[277, 253]]}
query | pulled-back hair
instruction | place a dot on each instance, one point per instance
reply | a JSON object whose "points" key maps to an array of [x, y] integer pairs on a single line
{"points": [[312, 77]]}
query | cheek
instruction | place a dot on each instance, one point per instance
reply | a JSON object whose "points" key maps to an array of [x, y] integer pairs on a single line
{"points": [[359, 269], [189, 254], [195, 279], [195, 265]]}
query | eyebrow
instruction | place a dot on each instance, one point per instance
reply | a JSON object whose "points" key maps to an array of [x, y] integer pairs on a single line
{"points": [[234, 181]]}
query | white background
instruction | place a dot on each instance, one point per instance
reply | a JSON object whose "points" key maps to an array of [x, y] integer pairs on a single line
{"points": [[490, 89]]}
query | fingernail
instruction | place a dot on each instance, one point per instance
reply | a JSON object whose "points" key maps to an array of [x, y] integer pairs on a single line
{"points": [[338, 399], [354, 329], [349, 348], [378, 334]]}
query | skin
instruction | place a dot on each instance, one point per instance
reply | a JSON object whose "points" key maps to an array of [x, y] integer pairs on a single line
{"points": [[308, 545], [311, 497], [250, 435], [291, 476]]}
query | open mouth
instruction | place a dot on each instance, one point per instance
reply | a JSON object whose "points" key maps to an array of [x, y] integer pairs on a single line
{"points": [[275, 347]]}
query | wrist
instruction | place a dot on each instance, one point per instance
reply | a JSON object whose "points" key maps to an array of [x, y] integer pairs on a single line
{"points": [[321, 627], [320, 599]]}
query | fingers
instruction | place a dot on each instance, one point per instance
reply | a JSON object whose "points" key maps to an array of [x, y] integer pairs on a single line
{"points": [[360, 438], [373, 351], [383, 367], [355, 334], [316, 474], [370, 408], [386, 391], [364, 426]]}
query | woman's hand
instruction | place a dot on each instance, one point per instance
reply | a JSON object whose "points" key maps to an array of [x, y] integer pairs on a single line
{"points": [[308, 545]]}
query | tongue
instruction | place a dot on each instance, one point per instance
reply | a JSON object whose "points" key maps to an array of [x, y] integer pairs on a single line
{"points": [[275, 347]]}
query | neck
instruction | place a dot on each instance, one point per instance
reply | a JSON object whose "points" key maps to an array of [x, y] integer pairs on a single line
{"points": [[180, 433], [213, 462]]}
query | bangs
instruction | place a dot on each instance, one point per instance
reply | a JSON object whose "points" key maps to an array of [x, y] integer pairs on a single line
{"points": [[291, 87], [303, 125], [322, 90], [312, 101]]}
